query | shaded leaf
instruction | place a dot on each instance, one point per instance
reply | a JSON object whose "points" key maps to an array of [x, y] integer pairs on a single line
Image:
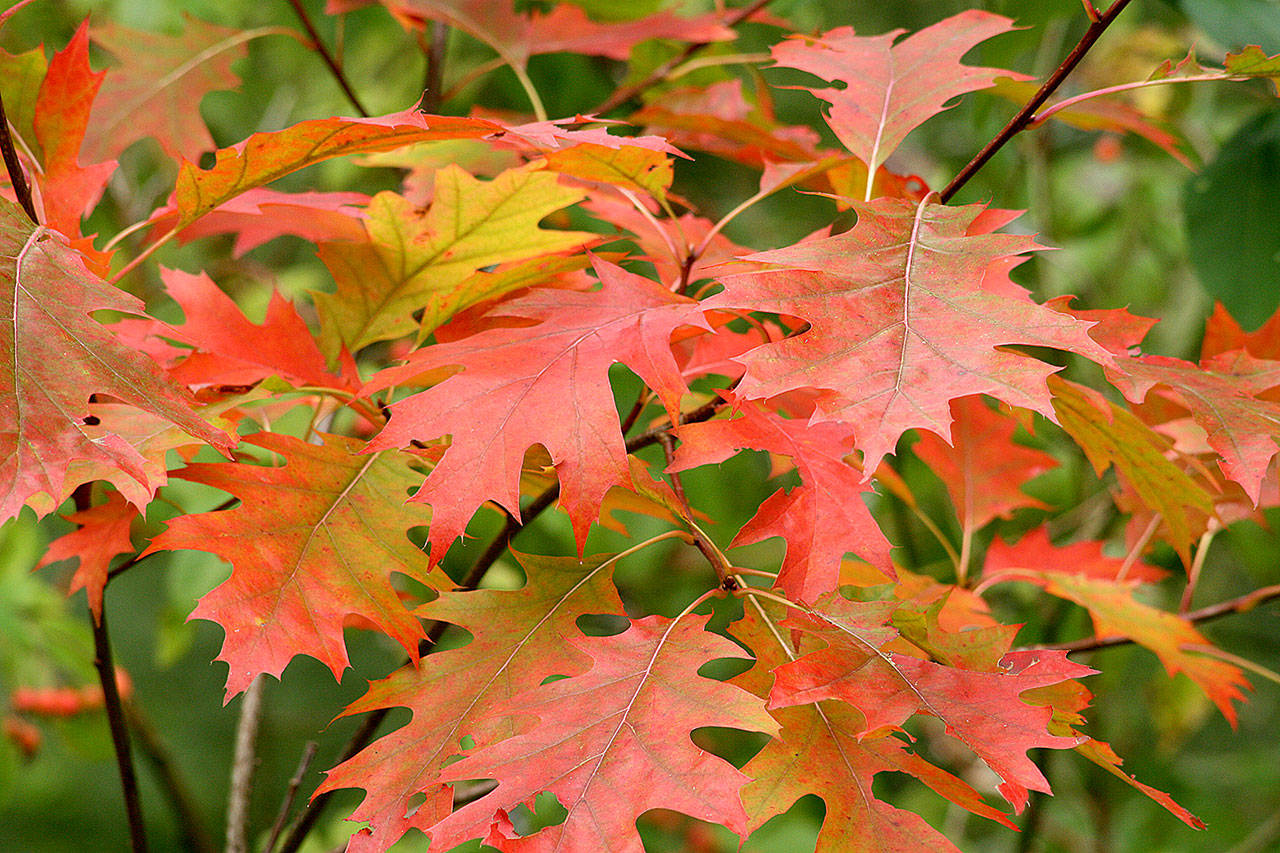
{"points": [[102, 532], [56, 356]]}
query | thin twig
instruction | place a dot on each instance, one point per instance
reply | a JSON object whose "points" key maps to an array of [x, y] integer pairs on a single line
{"points": [[195, 835], [1240, 604], [291, 794], [1025, 115], [329, 59], [621, 96], [14, 166], [242, 767], [102, 661]]}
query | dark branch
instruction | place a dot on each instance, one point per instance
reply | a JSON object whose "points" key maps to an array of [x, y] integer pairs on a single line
{"points": [[119, 731], [1026, 115], [194, 834], [11, 163]]}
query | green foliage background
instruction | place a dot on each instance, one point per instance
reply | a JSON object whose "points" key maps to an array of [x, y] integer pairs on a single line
{"points": [[1138, 230]]}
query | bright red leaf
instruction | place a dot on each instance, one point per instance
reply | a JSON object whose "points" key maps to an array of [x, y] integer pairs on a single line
{"points": [[102, 532], [546, 384], [908, 310], [822, 519]]}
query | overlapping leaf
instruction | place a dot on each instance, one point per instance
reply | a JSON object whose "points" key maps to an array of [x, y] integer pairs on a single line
{"points": [[413, 262], [613, 743], [908, 310], [546, 384], [519, 638], [983, 468], [824, 749], [822, 519], [1117, 613], [56, 356], [264, 157], [312, 540], [981, 709], [68, 190]]}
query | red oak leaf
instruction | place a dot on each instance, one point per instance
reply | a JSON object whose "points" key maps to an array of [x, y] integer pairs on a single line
{"points": [[1224, 395], [1117, 613], [310, 542], [1222, 334], [415, 269], [983, 468], [546, 384], [156, 88], [264, 157], [614, 743], [231, 350], [908, 310], [822, 519], [566, 28], [1085, 559], [259, 215], [823, 749], [102, 533], [68, 190], [1111, 435], [520, 638], [891, 89], [56, 357], [981, 709]]}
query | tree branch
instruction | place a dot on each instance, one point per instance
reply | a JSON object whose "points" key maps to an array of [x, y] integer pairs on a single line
{"points": [[242, 766], [14, 166], [334, 68], [621, 96], [1026, 115]]}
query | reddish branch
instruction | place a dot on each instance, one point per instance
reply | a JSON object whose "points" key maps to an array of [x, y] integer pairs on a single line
{"points": [[329, 59], [1240, 604], [1027, 114], [621, 96]]}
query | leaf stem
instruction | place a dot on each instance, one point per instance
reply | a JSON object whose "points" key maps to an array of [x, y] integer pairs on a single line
{"points": [[719, 562], [1023, 118], [16, 176], [329, 59], [663, 71], [1240, 604], [1040, 117]]}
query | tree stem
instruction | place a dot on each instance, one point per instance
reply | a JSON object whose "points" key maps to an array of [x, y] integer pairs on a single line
{"points": [[119, 731]]}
